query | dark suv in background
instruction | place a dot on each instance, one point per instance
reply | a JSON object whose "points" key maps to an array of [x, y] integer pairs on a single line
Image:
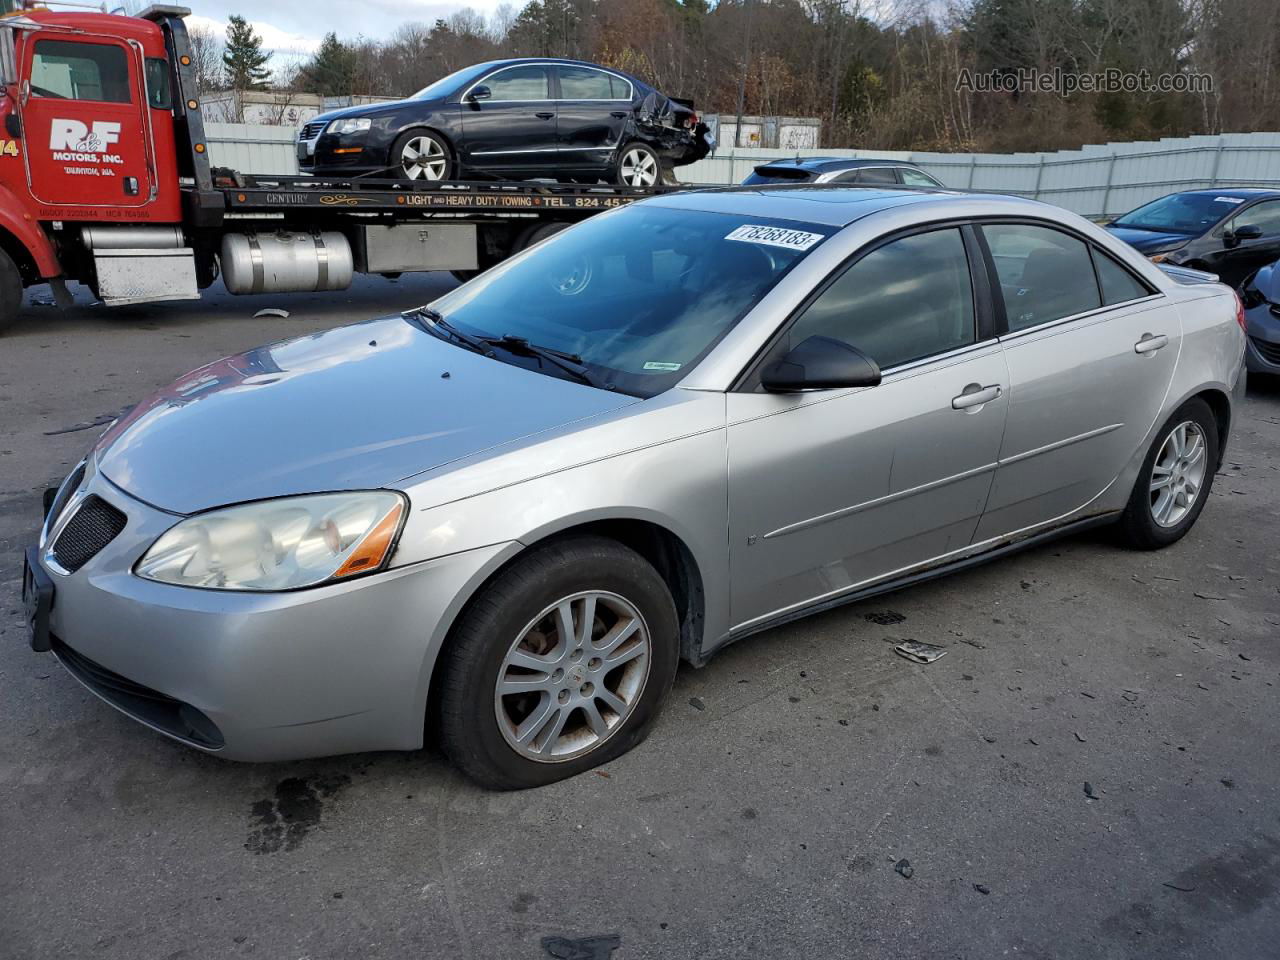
{"points": [[521, 119], [880, 173]]}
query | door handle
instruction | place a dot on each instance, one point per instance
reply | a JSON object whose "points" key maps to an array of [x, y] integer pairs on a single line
{"points": [[1150, 343], [618, 113], [544, 115], [975, 395]]}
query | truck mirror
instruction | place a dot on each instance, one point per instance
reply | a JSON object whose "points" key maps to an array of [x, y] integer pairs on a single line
{"points": [[8, 58]]}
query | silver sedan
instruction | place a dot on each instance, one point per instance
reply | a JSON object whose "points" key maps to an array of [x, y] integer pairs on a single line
{"points": [[503, 519]]}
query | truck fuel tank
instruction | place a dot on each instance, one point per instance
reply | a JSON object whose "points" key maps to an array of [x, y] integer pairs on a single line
{"points": [[286, 261]]}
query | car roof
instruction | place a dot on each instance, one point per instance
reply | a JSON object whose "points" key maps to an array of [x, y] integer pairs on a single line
{"points": [[834, 205], [564, 61], [828, 164], [1249, 193]]}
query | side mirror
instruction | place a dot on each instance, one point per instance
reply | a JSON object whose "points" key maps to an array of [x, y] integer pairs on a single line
{"points": [[820, 362], [1248, 231], [479, 93]]}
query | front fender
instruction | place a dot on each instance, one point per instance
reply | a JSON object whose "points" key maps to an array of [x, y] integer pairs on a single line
{"points": [[25, 229]]}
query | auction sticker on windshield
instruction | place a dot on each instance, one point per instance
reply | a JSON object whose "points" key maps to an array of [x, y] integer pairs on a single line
{"points": [[774, 236]]}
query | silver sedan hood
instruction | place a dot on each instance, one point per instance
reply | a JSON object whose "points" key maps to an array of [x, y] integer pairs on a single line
{"points": [[357, 407]]}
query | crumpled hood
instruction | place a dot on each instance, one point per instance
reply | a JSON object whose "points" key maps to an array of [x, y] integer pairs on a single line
{"points": [[1149, 241], [357, 407]]}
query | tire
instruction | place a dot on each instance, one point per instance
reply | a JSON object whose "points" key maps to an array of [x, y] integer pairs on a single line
{"points": [[516, 616], [10, 291], [638, 165], [421, 155], [1157, 518]]}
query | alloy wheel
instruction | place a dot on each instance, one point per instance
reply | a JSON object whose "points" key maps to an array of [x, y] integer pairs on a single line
{"points": [[573, 676], [1177, 476], [639, 168], [423, 158]]}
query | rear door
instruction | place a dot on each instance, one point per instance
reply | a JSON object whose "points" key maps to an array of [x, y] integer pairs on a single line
{"points": [[591, 116], [1091, 351], [514, 128], [85, 122]]}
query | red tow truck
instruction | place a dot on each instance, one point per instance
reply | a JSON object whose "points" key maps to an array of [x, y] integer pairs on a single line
{"points": [[105, 179]]}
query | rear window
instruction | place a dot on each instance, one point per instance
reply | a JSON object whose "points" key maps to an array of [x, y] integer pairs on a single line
{"points": [[66, 70], [778, 175]]}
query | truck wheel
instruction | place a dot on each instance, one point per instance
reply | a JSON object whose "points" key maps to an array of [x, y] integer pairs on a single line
{"points": [[560, 664], [638, 166], [537, 234], [421, 155], [10, 291]]}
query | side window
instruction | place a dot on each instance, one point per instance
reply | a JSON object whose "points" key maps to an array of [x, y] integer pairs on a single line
{"points": [[1265, 215], [909, 299], [621, 88], [849, 176], [579, 83], [1044, 274], [158, 95], [1118, 284], [519, 83], [917, 178], [66, 70], [877, 175]]}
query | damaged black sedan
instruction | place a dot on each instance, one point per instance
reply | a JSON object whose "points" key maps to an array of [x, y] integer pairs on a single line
{"points": [[513, 119]]}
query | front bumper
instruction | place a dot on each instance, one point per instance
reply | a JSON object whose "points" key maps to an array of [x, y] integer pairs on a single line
{"points": [[257, 676], [1262, 352]]}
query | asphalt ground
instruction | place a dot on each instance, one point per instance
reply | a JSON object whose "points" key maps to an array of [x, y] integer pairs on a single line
{"points": [[1091, 771]]}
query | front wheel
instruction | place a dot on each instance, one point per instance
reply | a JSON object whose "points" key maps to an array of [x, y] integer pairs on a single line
{"points": [[1174, 482], [10, 291], [560, 664], [421, 155], [638, 166]]}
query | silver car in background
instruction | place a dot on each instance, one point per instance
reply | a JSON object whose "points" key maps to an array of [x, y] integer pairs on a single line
{"points": [[503, 519]]}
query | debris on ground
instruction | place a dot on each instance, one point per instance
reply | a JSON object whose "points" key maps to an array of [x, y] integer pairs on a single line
{"points": [[1079, 737], [885, 618], [99, 421], [903, 867], [1208, 596], [919, 652], [272, 312], [982, 888], [1089, 792], [696, 703]]}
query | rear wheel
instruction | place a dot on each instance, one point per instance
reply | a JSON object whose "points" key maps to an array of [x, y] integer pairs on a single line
{"points": [[560, 664], [10, 291], [638, 166], [422, 155], [1174, 482]]}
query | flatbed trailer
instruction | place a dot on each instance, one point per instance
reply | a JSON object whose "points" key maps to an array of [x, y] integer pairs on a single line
{"points": [[106, 180]]}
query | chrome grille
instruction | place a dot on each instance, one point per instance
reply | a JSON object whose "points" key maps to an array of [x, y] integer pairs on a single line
{"points": [[311, 130], [69, 486], [94, 524]]}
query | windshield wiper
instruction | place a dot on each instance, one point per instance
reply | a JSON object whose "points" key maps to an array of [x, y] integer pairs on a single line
{"points": [[434, 322], [570, 363]]}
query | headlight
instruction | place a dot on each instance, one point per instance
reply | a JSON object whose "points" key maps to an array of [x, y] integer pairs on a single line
{"points": [[349, 126], [278, 544]]}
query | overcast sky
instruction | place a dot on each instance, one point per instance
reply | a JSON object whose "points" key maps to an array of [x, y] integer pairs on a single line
{"points": [[296, 26]]}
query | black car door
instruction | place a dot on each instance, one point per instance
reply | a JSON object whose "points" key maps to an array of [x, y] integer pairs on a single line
{"points": [[1243, 255], [509, 121], [592, 115]]}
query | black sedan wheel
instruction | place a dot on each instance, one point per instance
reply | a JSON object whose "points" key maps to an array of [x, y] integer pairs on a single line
{"points": [[421, 155], [638, 166]]}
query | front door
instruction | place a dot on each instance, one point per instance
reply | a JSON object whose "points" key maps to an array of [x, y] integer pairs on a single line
{"points": [[513, 128], [833, 489], [1091, 351], [1235, 263], [593, 110], [85, 122]]}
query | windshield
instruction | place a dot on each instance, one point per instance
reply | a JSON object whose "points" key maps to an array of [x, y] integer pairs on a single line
{"points": [[1187, 213], [452, 83], [640, 294]]}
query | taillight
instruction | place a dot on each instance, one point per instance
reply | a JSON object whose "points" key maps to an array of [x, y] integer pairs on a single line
{"points": [[1240, 319]]}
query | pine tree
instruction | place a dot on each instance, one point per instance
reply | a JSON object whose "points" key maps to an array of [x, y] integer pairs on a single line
{"points": [[243, 60], [332, 71]]}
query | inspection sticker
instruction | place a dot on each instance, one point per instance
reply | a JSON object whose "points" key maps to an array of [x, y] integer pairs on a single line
{"points": [[775, 236], [1228, 200], [661, 365]]}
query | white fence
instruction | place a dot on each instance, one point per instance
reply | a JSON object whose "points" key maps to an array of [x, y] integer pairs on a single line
{"points": [[1099, 180]]}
